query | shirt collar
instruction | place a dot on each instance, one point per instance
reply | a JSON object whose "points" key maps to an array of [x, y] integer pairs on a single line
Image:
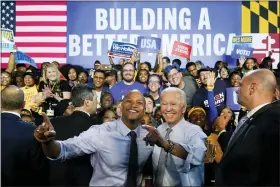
{"points": [[166, 126], [83, 112], [15, 113], [254, 110], [124, 130]]}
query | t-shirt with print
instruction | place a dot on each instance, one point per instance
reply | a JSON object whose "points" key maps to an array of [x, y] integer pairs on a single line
{"points": [[120, 89], [30, 94], [200, 97]]}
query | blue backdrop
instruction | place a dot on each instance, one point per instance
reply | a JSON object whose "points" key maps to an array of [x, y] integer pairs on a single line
{"points": [[207, 26]]}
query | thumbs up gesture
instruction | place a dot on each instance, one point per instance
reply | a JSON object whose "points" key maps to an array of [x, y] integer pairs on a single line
{"points": [[45, 132]]}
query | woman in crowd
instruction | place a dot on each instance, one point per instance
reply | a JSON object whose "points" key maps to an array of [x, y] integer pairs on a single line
{"points": [[109, 115], [235, 79], [154, 87], [142, 77], [52, 90], [6, 79]]}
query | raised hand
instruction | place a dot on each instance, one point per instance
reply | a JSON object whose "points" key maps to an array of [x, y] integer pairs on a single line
{"points": [[241, 61], [45, 132], [211, 79]]}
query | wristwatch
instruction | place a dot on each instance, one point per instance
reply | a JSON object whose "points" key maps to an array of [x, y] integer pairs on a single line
{"points": [[170, 146]]}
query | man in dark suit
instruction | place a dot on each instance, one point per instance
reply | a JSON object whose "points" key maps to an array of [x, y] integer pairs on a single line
{"points": [[76, 171], [251, 157], [23, 161]]}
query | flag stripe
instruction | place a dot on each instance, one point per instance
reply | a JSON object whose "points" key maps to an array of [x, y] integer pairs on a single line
{"points": [[40, 23], [41, 60], [41, 29], [57, 8], [41, 39], [41, 44], [41, 13], [53, 34], [32, 3], [40, 55], [41, 18]]}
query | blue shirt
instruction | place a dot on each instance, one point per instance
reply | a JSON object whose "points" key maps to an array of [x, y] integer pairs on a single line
{"points": [[180, 172], [120, 89], [109, 146]]}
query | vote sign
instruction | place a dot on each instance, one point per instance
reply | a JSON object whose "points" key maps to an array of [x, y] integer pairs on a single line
{"points": [[181, 49], [231, 97], [242, 51], [148, 44], [122, 50]]}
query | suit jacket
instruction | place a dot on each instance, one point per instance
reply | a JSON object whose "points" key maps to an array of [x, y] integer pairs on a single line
{"points": [[252, 156], [23, 161], [76, 171]]}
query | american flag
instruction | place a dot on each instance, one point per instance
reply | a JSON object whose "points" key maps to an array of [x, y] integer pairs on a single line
{"points": [[40, 29]]}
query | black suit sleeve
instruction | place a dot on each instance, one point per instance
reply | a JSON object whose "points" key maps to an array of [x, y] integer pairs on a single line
{"points": [[223, 140], [39, 164]]}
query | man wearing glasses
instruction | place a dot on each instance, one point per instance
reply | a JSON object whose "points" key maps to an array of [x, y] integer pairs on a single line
{"points": [[186, 83], [120, 89]]}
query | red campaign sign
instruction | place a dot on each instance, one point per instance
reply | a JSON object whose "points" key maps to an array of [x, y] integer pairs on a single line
{"points": [[182, 50]]}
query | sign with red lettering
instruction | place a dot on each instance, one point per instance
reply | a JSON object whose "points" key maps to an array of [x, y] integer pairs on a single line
{"points": [[182, 50]]}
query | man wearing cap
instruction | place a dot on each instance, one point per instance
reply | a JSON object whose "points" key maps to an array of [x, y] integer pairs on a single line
{"points": [[201, 99], [187, 84]]}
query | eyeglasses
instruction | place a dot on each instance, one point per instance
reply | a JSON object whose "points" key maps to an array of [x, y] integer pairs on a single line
{"points": [[128, 70], [173, 75], [153, 82], [101, 78]]}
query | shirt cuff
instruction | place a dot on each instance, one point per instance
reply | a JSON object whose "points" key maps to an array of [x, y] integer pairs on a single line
{"points": [[221, 133], [60, 154]]}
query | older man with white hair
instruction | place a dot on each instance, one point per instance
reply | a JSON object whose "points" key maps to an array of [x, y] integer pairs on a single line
{"points": [[178, 156]]}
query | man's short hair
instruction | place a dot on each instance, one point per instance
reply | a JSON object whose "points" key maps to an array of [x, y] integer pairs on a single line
{"points": [[172, 89], [12, 100], [169, 68], [167, 59], [112, 73], [80, 93], [100, 71], [189, 64], [177, 61]]}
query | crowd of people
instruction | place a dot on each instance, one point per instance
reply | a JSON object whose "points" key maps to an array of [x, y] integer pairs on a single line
{"points": [[131, 124]]}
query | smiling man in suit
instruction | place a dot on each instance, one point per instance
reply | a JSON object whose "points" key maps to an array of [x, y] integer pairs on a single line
{"points": [[69, 172], [252, 153], [23, 161]]}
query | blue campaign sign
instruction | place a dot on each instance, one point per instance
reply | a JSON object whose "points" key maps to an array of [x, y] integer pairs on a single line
{"points": [[231, 97], [148, 44], [121, 49], [7, 40], [22, 58], [93, 26], [242, 51]]}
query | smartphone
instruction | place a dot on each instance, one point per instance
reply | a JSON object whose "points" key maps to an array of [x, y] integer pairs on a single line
{"points": [[106, 67]]}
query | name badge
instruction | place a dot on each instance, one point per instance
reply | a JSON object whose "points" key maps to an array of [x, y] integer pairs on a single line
{"points": [[50, 112]]}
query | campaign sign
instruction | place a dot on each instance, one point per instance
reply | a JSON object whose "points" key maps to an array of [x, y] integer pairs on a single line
{"points": [[22, 58], [181, 49], [231, 97], [122, 50], [242, 40], [148, 44], [242, 51], [7, 41]]}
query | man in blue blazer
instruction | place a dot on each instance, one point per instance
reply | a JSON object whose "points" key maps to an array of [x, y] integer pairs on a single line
{"points": [[23, 162]]}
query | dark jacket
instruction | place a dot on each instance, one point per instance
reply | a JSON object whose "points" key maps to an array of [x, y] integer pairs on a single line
{"points": [[23, 162], [76, 171], [252, 156]]}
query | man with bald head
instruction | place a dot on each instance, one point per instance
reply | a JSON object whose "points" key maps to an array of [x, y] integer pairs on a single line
{"points": [[23, 161], [252, 154], [117, 148]]}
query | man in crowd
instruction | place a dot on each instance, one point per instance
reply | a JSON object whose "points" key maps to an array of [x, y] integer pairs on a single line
{"points": [[99, 87], [192, 69], [120, 89], [111, 78], [251, 157], [68, 173], [23, 161], [176, 79], [200, 97], [118, 146], [180, 163]]}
